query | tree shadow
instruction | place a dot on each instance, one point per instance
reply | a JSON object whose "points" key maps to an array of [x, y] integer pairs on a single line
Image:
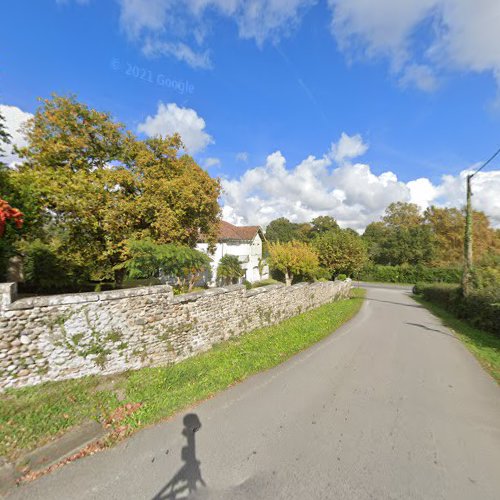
{"points": [[185, 481], [417, 306], [431, 329]]}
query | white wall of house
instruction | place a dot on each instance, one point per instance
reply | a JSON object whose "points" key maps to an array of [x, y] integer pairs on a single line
{"points": [[248, 253]]}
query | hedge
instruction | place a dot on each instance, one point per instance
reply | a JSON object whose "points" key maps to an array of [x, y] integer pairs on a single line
{"points": [[411, 274], [481, 308]]}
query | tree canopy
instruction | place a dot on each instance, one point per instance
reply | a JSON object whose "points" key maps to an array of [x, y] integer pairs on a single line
{"points": [[341, 252], [97, 186], [293, 258], [149, 259]]}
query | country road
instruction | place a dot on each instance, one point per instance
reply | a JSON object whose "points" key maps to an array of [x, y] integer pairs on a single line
{"points": [[391, 406]]}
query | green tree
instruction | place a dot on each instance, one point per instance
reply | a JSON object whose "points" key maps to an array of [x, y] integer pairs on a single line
{"points": [[148, 259], [293, 258], [341, 252], [402, 215], [98, 186], [323, 224], [283, 230], [229, 270], [401, 237]]}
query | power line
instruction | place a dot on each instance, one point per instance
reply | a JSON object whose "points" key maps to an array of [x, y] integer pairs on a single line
{"points": [[486, 162]]}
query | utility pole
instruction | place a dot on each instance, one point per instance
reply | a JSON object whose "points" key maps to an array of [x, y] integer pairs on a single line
{"points": [[467, 272]]}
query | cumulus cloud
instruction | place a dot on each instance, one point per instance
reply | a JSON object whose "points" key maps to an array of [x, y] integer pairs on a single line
{"points": [[464, 35], [350, 192], [14, 118], [170, 119], [170, 21], [348, 147]]}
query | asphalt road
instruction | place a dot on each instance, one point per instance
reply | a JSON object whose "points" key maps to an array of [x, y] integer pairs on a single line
{"points": [[391, 406]]}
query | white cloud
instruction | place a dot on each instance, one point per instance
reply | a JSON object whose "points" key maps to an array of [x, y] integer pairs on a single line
{"points": [[419, 75], [451, 192], [423, 192], [242, 156], [463, 35], [211, 162], [351, 193], [15, 118], [177, 25], [170, 119], [348, 147]]}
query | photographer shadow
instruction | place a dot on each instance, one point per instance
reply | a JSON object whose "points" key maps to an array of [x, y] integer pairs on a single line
{"points": [[185, 481]]}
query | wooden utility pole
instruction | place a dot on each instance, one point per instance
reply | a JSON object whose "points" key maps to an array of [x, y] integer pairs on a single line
{"points": [[467, 273]]}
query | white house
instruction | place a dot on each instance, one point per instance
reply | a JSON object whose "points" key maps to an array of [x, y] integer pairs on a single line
{"points": [[243, 241]]}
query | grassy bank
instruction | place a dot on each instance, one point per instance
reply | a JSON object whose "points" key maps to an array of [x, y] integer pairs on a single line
{"points": [[485, 346], [32, 416]]}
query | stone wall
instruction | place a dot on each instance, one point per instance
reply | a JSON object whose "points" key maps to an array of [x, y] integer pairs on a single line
{"points": [[69, 336]]}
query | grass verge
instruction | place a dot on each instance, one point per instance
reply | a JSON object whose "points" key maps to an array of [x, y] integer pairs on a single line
{"points": [[484, 345], [32, 416]]}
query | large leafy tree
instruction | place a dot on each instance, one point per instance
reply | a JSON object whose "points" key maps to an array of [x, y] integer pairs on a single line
{"points": [[99, 186], [293, 258], [401, 237], [341, 252], [283, 230], [323, 224], [447, 225]]}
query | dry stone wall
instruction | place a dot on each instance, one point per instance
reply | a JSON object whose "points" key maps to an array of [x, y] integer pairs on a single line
{"points": [[69, 336]]}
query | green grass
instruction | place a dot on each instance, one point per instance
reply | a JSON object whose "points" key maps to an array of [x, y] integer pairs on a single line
{"points": [[485, 346], [31, 416]]}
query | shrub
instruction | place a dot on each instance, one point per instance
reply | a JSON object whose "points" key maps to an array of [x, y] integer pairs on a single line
{"points": [[149, 260], [229, 270], [481, 308], [323, 274], [411, 274], [342, 277], [44, 271]]}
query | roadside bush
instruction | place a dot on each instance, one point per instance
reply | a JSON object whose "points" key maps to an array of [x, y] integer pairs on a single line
{"points": [[44, 271], [342, 277], [411, 274], [323, 274], [481, 308]]}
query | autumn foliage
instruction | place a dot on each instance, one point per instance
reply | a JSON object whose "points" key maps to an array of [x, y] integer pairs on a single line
{"points": [[8, 213]]}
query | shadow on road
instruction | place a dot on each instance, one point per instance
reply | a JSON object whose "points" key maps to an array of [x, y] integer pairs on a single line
{"points": [[431, 329], [396, 303], [185, 481]]}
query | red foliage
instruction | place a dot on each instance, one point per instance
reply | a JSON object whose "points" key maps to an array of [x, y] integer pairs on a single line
{"points": [[6, 213]]}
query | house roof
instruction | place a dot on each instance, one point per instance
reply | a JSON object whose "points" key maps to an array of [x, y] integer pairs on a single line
{"points": [[228, 231]]}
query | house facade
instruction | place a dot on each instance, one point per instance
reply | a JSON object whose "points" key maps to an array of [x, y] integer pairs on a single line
{"points": [[245, 242]]}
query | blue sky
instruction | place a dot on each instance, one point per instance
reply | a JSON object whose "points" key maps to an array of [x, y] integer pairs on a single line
{"points": [[411, 88]]}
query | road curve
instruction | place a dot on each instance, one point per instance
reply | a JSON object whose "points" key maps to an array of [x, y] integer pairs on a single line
{"points": [[390, 406]]}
